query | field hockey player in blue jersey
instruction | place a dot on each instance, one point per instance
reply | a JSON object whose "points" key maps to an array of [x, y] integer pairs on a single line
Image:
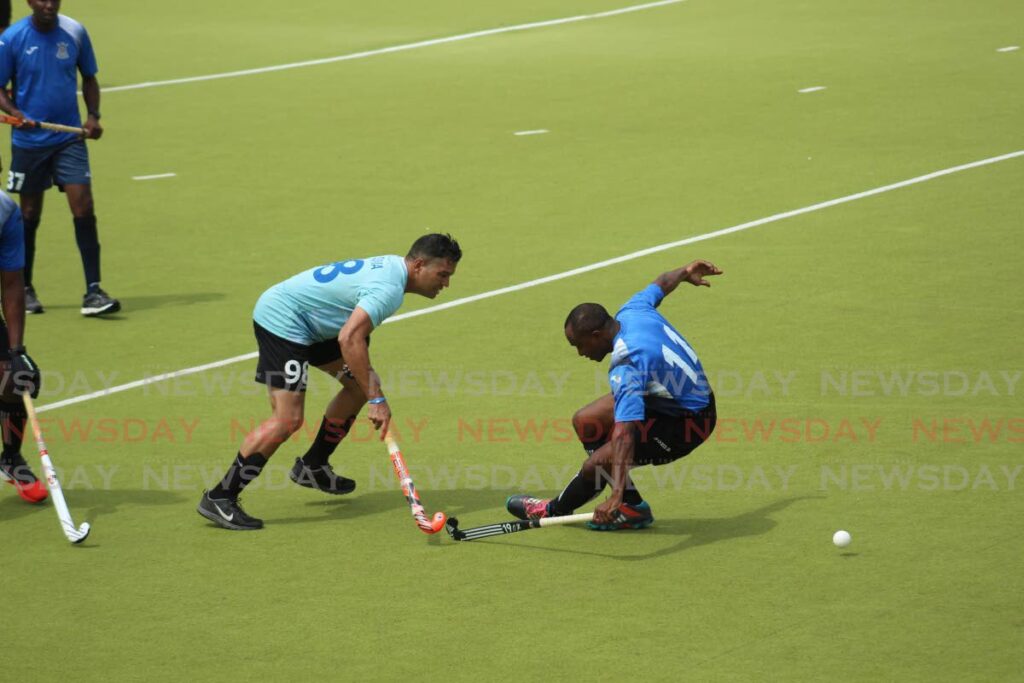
{"points": [[660, 408]]}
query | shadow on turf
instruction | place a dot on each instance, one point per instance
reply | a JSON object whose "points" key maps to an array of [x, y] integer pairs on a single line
{"points": [[141, 303], [453, 503], [697, 532], [88, 505], [477, 508]]}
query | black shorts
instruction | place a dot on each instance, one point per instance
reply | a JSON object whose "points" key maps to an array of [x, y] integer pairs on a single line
{"points": [[284, 364], [662, 439], [34, 171]]}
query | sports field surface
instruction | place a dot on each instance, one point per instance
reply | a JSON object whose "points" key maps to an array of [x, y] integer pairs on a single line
{"points": [[866, 352]]}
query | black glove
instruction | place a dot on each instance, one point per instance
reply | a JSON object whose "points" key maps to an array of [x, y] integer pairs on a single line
{"points": [[24, 372]]}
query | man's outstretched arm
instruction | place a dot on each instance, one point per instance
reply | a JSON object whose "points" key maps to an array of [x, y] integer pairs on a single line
{"points": [[693, 273]]}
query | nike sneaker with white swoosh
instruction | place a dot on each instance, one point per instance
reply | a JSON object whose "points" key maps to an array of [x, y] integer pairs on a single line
{"points": [[227, 513]]}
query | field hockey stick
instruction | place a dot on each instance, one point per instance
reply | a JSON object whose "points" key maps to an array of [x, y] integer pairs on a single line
{"points": [[512, 527], [427, 526], [75, 535], [60, 128]]}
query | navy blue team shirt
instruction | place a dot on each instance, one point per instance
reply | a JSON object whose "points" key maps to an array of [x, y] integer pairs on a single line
{"points": [[44, 67]]}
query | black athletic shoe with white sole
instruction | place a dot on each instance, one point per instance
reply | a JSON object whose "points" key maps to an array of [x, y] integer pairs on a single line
{"points": [[227, 513], [32, 303], [321, 478], [98, 302]]}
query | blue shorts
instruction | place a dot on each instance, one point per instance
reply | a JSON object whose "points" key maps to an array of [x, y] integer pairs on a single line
{"points": [[35, 170]]}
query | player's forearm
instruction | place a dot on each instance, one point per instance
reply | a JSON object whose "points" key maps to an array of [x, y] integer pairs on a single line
{"points": [[6, 104], [12, 299], [357, 357], [622, 456], [669, 280], [91, 94], [374, 385]]}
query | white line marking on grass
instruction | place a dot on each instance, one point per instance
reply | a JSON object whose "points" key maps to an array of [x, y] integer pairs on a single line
{"points": [[143, 382], [396, 48], [774, 218], [813, 88], [539, 131], [153, 177], [1009, 48]]}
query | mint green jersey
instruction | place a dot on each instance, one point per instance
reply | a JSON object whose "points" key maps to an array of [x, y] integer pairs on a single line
{"points": [[314, 305]]}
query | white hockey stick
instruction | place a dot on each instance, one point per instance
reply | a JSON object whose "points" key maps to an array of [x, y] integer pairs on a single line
{"points": [[75, 535]]}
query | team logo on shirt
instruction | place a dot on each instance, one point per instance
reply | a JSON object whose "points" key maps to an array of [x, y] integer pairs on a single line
{"points": [[62, 51], [30, 50]]}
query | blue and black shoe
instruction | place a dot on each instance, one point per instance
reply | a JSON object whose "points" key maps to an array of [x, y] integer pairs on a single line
{"points": [[628, 517]]}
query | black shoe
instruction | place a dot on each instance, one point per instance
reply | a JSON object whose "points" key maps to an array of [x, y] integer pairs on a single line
{"points": [[227, 513], [98, 302], [13, 467], [321, 478], [32, 304]]}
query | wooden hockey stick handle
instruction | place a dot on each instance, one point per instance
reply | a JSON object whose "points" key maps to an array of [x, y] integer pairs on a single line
{"points": [[59, 127]]}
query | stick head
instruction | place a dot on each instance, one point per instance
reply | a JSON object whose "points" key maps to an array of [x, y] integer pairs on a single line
{"points": [[434, 525], [80, 534], [438, 522]]}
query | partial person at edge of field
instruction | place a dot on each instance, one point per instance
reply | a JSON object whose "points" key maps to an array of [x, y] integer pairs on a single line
{"points": [[323, 317], [660, 409], [42, 55], [20, 373]]}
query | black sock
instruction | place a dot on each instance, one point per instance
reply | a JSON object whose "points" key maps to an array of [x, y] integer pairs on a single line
{"points": [[238, 476], [327, 439], [631, 496], [12, 419], [31, 228], [577, 493], [89, 246]]}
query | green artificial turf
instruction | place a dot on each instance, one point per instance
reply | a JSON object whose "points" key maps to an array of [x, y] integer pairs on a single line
{"points": [[866, 356]]}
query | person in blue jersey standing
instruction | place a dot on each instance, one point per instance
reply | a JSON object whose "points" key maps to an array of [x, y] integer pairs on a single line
{"points": [[660, 408], [41, 56], [323, 317], [20, 374]]}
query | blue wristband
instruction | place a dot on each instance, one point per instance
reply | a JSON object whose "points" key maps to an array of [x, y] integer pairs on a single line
{"points": [[375, 401]]}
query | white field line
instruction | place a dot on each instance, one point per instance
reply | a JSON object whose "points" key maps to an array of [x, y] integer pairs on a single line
{"points": [[154, 177], [397, 48], [569, 273], [814, 88], [539, 131], [1009, 48]]}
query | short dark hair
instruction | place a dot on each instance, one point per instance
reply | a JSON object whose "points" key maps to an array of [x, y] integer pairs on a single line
{"points": [[436, 245], [586, 318]]}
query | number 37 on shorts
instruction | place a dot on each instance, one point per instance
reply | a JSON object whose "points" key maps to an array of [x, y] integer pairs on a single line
{"points": [[15, 181]]}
